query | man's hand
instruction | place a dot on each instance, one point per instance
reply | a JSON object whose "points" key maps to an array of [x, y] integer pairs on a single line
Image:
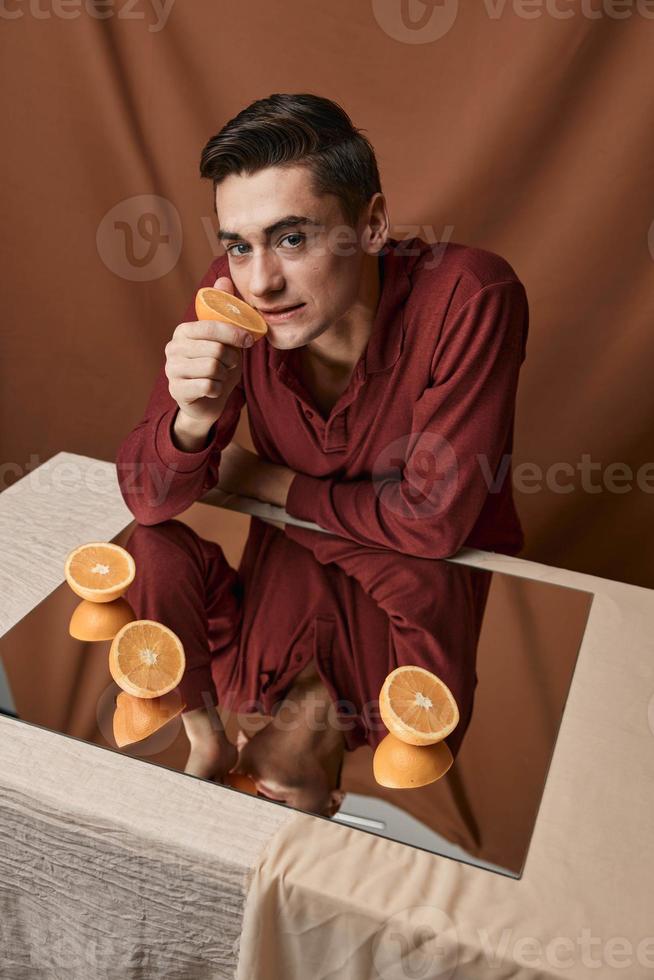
{"points": [[212, 755], [212, 759], [243, 472], [204, 363]]}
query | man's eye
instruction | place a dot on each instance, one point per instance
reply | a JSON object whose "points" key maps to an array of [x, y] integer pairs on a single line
{"points": [[231, 248], [300, 238]]}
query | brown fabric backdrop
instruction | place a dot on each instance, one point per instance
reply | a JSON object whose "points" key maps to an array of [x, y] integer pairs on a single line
{"points": [[525, 130]]}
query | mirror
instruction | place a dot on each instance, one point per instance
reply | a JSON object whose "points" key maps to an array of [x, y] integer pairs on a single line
{"points": [[304, 632]]}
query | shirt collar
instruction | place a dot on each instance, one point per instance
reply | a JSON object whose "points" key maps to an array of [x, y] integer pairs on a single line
{"points": [[386, 339]]}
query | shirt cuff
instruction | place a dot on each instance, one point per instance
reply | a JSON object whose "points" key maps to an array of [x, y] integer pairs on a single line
{"points": [[197, 689], [170, 455], [304, 496]]}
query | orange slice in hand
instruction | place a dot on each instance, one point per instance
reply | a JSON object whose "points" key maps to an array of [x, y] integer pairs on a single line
{"points": [[399, 765], [94, 621], [417, 707], [137, 718], [237, 780], [214, 304], [99, 572], [146, 659]]}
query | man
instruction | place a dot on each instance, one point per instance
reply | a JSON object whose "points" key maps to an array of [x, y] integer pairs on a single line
{"points": [[381, 404], [350, 616], [302, 637]]}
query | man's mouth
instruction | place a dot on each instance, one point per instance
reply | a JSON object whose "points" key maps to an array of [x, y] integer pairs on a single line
{"points": [[280, 312]]}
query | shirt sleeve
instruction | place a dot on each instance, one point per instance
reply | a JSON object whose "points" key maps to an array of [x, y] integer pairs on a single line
{"points": [[435, 609], [412, 591], [157, 480], [428, 488]]}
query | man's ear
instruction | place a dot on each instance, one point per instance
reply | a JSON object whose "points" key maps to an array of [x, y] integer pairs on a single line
{"points": [[336, 798], [377, 225]]}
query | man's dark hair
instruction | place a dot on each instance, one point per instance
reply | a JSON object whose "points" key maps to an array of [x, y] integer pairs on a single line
{"points": [[300, 129]]}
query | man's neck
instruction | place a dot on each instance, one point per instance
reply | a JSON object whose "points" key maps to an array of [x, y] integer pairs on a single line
{"points": [[312, 716]]}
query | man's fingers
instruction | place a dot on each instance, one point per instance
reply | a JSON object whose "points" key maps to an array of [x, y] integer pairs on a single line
{"points": [[183, 347], [193, 388], [226, 284], [200, 350], [204, 367], [220, 330]]}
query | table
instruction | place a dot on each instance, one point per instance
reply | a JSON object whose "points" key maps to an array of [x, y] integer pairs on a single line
{"points": [[104, 861]]}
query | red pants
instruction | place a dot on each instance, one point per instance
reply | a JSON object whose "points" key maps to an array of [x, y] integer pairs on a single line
{"points": [[356, 612], [187, 584]]}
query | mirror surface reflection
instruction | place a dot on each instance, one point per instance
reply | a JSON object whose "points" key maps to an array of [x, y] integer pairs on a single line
{"points": [[301, 636]]}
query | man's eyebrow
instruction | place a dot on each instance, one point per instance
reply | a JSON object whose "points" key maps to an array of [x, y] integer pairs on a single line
{"points": [[288, 221]]}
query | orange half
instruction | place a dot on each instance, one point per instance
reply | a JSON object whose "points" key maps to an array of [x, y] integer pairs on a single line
{"points": [[214, 304], [99, 571], [417, 707], [138, 718], [398, 765], [95, 621], [146, 659]]}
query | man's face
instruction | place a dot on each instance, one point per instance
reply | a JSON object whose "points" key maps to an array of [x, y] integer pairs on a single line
{"points": [[316, 264], [283, 771]]}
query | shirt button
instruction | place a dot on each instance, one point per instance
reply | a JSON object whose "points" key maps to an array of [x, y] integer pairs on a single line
{"points": [[298, 657], [308, 413]]}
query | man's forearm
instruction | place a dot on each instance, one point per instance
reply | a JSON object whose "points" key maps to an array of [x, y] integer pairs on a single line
{"points": [[266, 481], [276, 483], [202, 724], [243, 472]]}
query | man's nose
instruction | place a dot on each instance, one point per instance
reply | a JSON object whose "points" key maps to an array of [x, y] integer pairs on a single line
{"points": [[265, 275]]}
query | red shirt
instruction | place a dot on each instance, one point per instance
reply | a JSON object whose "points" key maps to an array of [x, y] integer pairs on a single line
{"points": [[415, 455], [358, 613]]}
